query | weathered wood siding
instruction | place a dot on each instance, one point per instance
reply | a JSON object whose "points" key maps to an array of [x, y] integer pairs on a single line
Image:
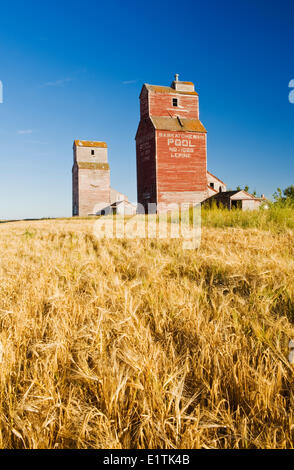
{"points": [[181, 166], [146, 164], [250, 204], [161, 104], [91, 178], [75, 190], [94, 190]]}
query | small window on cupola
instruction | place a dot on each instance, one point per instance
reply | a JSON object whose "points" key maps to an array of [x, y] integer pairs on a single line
{"points": [[175, 101], [92, 152]]}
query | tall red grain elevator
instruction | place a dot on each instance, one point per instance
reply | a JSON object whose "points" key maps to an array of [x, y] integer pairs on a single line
{"points": [[170, 147]]}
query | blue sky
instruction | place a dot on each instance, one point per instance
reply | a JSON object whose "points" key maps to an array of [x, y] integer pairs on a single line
{"points": [[74, 70]]}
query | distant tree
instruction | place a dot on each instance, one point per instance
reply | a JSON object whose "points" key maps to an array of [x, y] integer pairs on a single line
{"points": [[278, 195], [246, 188], [289, 192], [284, 197]]}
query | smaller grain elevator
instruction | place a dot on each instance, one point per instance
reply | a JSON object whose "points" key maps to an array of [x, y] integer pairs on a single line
{"points": [[90, 177]]}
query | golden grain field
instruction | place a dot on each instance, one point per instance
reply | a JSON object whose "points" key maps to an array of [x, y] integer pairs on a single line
{"points": [[141, 344]]}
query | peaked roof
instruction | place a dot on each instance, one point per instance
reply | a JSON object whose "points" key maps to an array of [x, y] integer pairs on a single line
{"points": [[117, 203], [177, 124], [229, 194]]}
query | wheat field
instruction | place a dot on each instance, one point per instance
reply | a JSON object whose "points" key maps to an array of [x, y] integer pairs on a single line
{"points": [[142, 344]]}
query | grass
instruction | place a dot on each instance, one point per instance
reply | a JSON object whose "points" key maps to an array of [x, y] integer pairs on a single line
{"points": [[141, 344], [275, 218]]}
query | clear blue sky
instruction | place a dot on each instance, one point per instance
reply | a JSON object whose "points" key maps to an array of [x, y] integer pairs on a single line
{"points": [[74, 69]]}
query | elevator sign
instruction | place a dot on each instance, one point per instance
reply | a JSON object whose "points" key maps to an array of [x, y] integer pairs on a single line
{"points": [[180, 145]]}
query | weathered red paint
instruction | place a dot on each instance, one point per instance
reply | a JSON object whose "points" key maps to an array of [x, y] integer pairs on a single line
{"points": [[160, 104], [171, 164]]}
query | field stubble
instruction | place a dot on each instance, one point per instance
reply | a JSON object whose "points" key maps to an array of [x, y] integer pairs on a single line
{"points": [[141, 344]]}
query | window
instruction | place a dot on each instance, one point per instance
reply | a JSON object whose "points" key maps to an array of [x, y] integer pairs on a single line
{"points": [[220, 189], [175, 101], [92, 152], [211, 185]]}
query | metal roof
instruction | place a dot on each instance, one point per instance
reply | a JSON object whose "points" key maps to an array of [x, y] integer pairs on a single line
{"points": [[89, 143], [177, 124], [168, 89], [117, 203], [223, 195]]}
